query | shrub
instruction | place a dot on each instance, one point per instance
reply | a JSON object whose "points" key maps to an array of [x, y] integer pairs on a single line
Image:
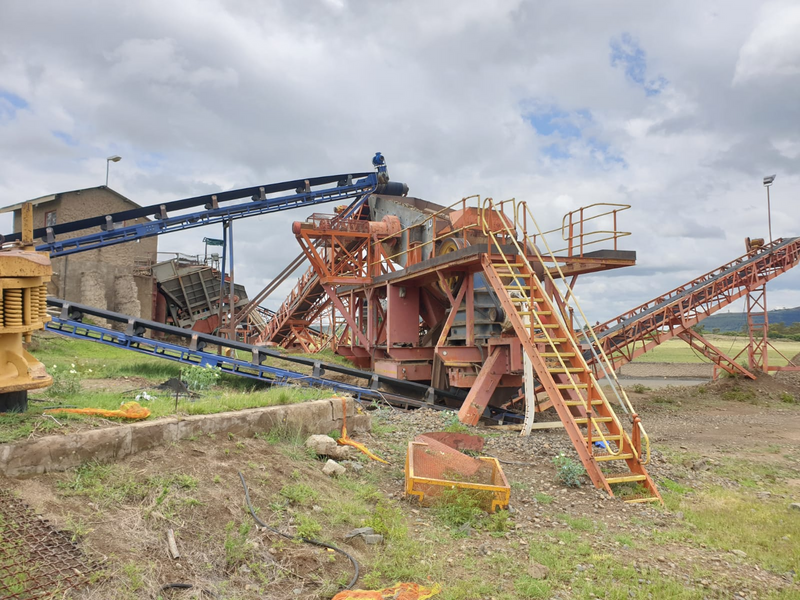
{"points": [[199, 378], [568, 471]]}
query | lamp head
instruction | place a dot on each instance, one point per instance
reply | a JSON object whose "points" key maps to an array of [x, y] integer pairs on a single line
{"points": [[768, 180], [114, 158]]}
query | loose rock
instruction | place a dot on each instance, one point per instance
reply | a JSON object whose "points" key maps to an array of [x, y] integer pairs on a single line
{"points": [[332, 468], [325, 445]]}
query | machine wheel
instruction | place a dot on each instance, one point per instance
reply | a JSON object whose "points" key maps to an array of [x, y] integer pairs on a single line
{"points": [[446, 247], [14, 401]]}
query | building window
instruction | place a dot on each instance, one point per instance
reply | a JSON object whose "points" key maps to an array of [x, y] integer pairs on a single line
{"points": [[50, 218]]}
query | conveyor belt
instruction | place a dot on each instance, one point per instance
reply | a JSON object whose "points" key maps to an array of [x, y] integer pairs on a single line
{"points": [[673, 312], [69, 323]]}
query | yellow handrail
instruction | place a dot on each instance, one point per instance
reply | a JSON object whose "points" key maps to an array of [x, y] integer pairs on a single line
{"points": [[591, 423], [617, 387]]}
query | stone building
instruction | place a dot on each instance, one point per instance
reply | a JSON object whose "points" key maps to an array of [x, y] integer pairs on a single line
{"points": [[114, 278]]}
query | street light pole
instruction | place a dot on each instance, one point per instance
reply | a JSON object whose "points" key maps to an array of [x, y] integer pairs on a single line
{"points": [[769, 216], [109, 160], [767, 183]]}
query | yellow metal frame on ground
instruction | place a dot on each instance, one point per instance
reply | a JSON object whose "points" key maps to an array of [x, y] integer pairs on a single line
{"points": [[501, 493]]}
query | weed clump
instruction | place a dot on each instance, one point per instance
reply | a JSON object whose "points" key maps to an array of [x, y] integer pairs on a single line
{"points": [[455, 507], [388, 521], [568, 471], [308, 527], [66, 382], [299, 493], [237, 548]]}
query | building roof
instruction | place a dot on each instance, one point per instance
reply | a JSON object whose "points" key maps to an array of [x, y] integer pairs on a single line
{"points": [[59, 195]]}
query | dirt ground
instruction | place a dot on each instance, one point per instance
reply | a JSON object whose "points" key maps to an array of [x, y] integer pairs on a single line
{"points": [[593, 546]]}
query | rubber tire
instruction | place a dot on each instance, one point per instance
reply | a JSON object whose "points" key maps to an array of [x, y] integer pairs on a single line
{"points": [[14, 401]]}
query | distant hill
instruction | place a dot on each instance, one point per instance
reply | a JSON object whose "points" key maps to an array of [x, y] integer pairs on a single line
{"points": [[725, 322]]}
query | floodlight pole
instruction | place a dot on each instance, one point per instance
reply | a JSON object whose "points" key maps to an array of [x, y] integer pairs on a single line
{"points": [[769, 216], [768, 181]]}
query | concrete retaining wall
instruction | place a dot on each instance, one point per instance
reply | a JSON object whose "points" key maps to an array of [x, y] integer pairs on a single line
{"points": [[60, 452]]}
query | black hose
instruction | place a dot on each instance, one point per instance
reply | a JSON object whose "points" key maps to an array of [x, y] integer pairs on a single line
{"points": [[186, 586], [261, 523]]}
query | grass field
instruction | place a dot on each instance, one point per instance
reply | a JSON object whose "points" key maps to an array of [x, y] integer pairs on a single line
{"points": [[678, 351], [76, 363]]}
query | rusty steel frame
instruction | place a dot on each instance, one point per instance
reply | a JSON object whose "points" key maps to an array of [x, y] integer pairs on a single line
{"points": [[721, 360]]}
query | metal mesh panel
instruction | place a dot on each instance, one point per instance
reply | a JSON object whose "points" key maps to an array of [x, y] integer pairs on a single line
{"points": [[432, 466], [36, 560], [436, 460]]}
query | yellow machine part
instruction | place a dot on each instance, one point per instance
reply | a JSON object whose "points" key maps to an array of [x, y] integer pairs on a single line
{"points": [[24, 274]]}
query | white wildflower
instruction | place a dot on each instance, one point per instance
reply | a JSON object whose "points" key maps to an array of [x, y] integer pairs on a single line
{"points": [[73, 371], [72, 365]]}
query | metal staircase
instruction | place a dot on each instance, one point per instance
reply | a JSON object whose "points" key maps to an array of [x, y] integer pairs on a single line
{"points": [[536, 308], [297, 312]]}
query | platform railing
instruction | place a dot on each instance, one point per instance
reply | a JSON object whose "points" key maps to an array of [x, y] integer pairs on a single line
{"points": [[575, 228]]}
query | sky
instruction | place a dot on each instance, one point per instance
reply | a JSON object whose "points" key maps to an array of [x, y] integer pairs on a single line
{"points": [[677, 109]]}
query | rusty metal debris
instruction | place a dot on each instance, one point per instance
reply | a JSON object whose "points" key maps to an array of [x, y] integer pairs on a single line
{"points": [[36, 560]]}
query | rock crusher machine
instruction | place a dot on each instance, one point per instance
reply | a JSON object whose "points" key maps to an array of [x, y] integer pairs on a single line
{"points": [[472, 296], [24, 274]]}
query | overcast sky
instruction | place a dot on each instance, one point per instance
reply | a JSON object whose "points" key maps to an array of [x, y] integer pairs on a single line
{"points": [[676, 108]]}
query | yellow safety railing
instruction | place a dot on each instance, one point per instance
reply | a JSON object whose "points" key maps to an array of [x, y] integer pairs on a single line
{"points": [[585, 327], [511, 236], [574, 231]]}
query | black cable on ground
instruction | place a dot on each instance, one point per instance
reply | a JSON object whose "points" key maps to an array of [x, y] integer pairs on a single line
{"points": [[186, 586], [261, 523]]}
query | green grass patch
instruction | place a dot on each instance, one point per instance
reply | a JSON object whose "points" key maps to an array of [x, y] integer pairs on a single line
{"points": [[764, 529], [677, 351], [299, 493]]}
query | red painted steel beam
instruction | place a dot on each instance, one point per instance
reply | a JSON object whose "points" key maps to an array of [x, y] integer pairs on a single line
{"points": [[714, 354], [485, 384]]}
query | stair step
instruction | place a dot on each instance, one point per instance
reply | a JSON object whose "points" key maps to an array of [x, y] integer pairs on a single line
{"points": [[568, 386], [584, 420], [517, 287], [640, 500], [557, 354], [521, 300], [625, 479], [567, 370], [607, 457], [607, 436], [541, 313], [555, 340]]}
